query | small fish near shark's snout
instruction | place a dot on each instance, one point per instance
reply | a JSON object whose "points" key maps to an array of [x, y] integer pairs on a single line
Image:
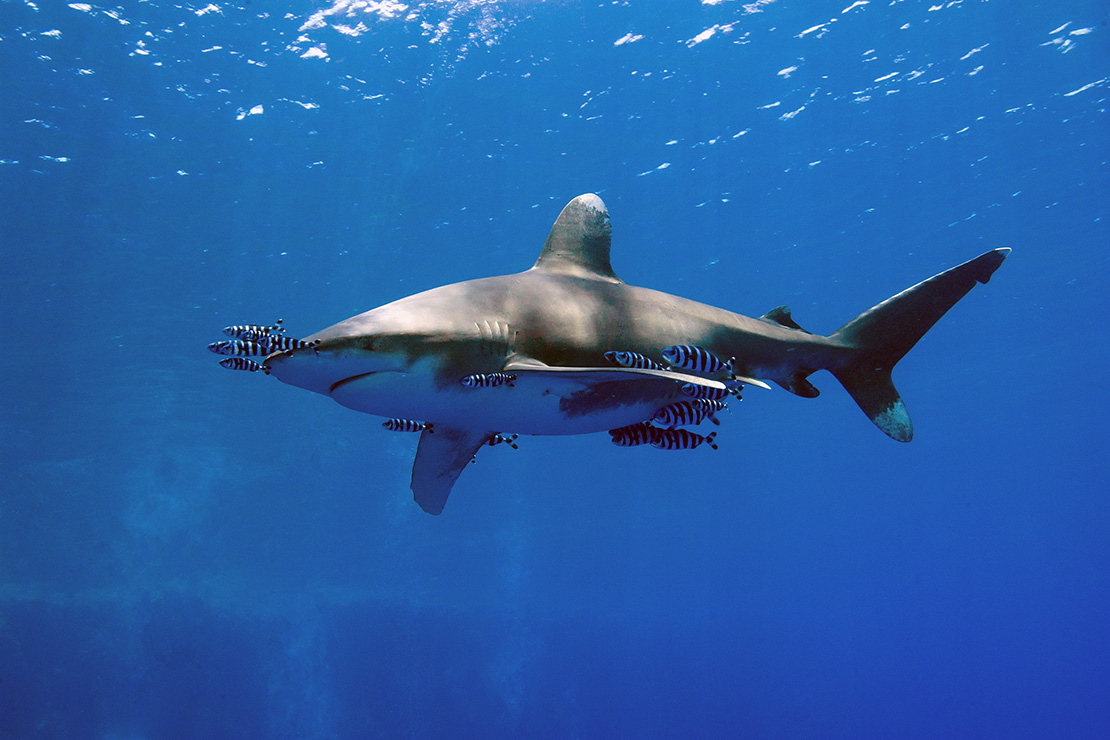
{"points": [[567, 347]]}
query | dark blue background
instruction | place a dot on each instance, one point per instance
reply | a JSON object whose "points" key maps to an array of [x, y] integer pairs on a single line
{"points": [[189, 552]]}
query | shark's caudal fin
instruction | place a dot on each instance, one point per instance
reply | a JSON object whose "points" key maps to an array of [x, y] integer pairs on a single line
{"points": [[885, 333]]}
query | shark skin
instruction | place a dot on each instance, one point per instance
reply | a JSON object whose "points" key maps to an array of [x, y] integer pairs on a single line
{"points": [[550, 326]]}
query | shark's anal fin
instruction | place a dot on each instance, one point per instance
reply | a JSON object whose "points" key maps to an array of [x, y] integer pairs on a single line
{"points": [[440, 457], [799, 386]]}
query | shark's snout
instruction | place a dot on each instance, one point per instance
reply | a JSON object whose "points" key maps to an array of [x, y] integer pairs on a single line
{"points": [[322, 367]]}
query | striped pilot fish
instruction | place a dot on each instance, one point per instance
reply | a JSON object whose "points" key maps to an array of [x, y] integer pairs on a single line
{"points": [[282, 343], [488, 380], [681, 439], [633, 360], [683, 413], [636, 434], [693, 390], [242, 363], [696, 359], [500, 439], [252, 331], [239, 348], [503, 439], [256, 336], [407, 425], [711, 405]]}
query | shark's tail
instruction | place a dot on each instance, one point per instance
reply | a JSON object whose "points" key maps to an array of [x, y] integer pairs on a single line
{"points": [[885, 333]]}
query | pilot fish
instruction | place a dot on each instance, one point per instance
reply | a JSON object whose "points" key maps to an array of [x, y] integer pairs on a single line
{"points": [[488, 380], [242, 363], [695, 359], [407, 425], [239, 348], [635, 434], [633, 360], [503, 439], [693, 390], [252, 331], [682, 413], [681, 439], [282, 343], [711, 406]]}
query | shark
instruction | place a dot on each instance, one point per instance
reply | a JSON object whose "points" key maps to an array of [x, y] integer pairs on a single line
{"points": [[547, 330]]}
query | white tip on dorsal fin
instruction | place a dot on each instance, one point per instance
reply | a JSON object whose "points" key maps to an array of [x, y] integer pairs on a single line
{"points": [[579, 241]]}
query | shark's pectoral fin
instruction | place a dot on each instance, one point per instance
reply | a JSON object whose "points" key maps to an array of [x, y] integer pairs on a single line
{"points": [[744, 380], [612, 396], [520, 364], [588, 375], [440, 457]]}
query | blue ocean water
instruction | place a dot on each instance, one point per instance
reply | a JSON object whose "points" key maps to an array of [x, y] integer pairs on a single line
{"points": [[188, 552]]}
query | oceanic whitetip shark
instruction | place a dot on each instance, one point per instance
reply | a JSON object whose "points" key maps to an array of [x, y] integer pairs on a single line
{"points": [[548, 328]]}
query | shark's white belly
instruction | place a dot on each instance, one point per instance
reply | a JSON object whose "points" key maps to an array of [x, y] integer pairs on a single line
{"points": [[539, 403]]}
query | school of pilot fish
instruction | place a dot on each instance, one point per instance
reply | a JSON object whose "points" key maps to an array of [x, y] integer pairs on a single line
{"points": [[664, 430]]}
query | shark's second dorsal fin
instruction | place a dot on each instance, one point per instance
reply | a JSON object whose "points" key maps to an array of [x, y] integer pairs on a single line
{"points": [[579, 241], [782, 317]]}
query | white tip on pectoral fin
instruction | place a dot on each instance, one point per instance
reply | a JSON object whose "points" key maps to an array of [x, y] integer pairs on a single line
{"points": [[895, 422]]}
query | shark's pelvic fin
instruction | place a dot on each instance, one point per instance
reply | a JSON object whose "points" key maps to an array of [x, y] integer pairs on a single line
{"points": [[799, 386], [440, 457], [579, 241], [885, 333]]}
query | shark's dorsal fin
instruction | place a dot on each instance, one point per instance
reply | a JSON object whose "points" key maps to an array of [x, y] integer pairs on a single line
{"points": [[579, 241]]}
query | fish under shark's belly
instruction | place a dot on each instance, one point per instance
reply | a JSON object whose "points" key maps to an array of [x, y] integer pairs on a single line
{"points": [[536, 403]]}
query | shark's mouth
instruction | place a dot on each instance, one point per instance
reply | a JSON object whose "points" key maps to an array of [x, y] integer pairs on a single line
{"points": [[340, 383]]}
